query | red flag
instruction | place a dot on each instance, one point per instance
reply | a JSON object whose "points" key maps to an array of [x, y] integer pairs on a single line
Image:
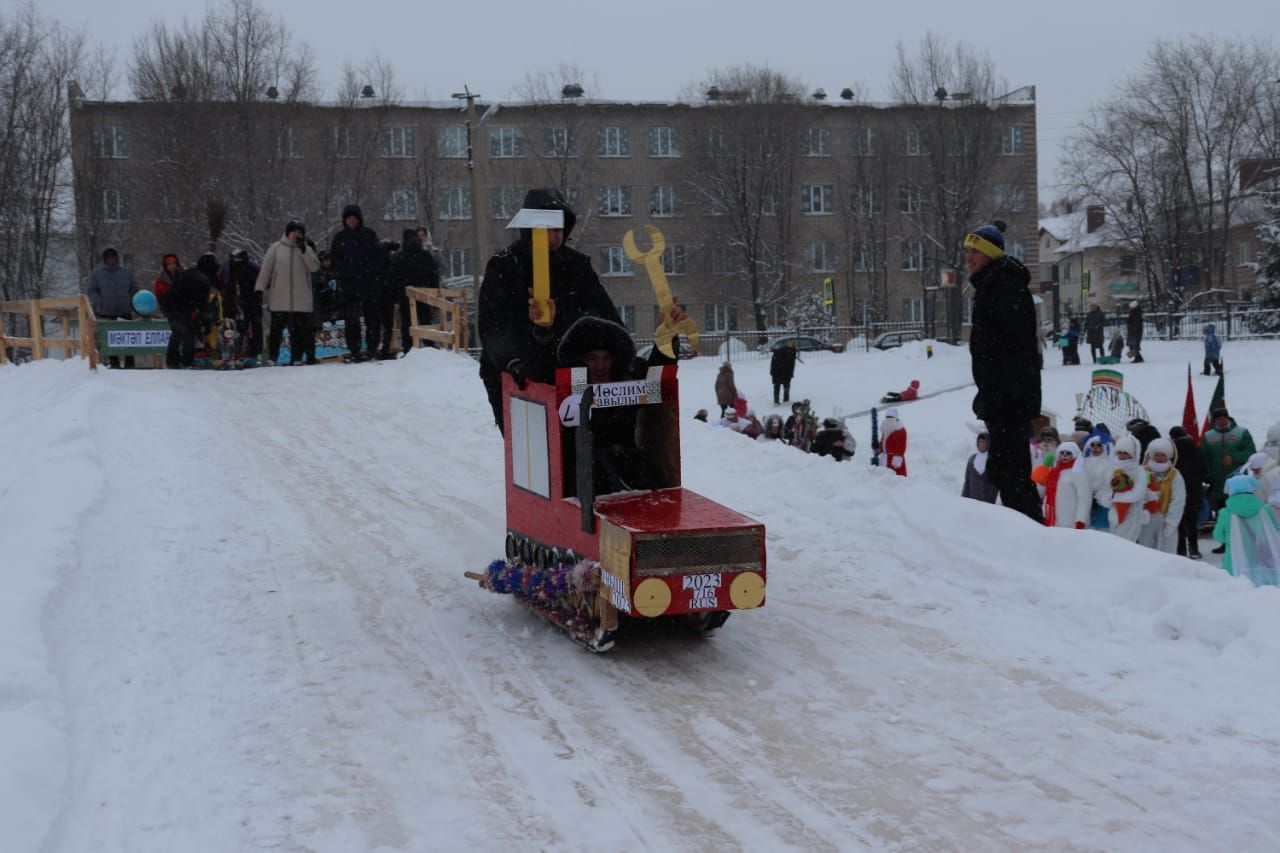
{"points": [[1219, 399], [1189, 412]]}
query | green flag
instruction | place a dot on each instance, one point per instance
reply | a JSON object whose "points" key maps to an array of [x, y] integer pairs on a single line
{"points": [[1219, 400]]}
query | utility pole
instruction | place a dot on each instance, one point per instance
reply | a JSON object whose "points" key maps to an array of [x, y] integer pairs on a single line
{"points": [[477, 166]]}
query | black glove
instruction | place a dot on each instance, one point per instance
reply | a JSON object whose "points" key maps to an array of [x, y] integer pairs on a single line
{"points": [[516, 369]]}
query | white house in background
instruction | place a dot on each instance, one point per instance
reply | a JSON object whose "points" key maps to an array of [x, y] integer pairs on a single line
{"points": [[1082, 252]]}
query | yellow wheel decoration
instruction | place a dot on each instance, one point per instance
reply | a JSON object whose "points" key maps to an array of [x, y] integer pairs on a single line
{"points": [[652, 597], [747, 591]]}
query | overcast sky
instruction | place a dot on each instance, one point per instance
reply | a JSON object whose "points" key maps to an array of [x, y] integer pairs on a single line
{"points": [[1073, 53]]}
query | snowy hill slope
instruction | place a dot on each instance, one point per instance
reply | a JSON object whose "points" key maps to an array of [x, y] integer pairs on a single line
{"points": [[234, 619]]}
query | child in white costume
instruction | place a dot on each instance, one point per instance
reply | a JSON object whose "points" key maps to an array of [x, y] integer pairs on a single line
{"points": [[1098, 468], [1067, 495], [1165, 509], [1129, 491]]}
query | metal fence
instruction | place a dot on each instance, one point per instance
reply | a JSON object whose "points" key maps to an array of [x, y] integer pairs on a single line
{"points": [[742, 345], [1230, 324]]}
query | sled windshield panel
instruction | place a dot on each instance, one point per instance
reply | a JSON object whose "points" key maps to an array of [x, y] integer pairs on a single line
{"points": [[530, 467]]}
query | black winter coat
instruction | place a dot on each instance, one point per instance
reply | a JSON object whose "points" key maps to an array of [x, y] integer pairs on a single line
{"points": [[1134, 326], [505, 330], [782, 366], [1194, 473], [413, 266], [1093, 326], [189, 294], [1002, 343], [358, 258]]}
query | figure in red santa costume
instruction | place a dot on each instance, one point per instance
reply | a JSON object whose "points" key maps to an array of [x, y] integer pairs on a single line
{"points": [[893, 443]]}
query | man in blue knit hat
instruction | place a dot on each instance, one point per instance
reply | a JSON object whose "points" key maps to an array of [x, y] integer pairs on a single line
{"points": [[1006, 369]]}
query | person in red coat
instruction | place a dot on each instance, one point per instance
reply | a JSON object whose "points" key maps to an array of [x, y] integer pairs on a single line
{"points": [[893, 443]]}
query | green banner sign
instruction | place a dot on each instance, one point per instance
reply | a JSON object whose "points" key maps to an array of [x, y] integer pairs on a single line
{"points": [[1123, 287]]}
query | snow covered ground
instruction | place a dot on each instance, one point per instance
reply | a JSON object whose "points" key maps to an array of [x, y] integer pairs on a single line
{"points": [[233, 617]]}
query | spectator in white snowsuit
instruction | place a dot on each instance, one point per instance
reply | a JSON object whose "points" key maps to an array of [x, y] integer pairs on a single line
{"points": [[1266, 471], [1165, 509], [1129, 492], [1272, 445], [1067, 496], [1098, 468]]}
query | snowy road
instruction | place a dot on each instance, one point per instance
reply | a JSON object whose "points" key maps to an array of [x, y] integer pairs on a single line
{"points": [[260, 639]]}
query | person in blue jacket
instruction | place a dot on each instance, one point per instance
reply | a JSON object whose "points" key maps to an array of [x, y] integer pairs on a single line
{"points": [[1212, 350]]}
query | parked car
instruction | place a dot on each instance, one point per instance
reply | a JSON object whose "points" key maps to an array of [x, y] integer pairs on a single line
{"points": [[685, 352], [804, 343], [889, 340]]}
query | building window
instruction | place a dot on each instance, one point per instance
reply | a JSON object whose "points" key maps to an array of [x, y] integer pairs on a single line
{"points": [[628, 315], [720, 260], [453, 203], [816, 142], [506, 142], [615, 201], [912, 310], [1010, 197], [1017, 249], [862, 142], [115, 206], [1243, 254], [560, 142], [912, 255], [452, 141], [910, 199], [344, 143], [662, 201], [290, 143], [112, 141], [721, 318], [912, 143], [866, 200], [663, 142], [673, 260], [820, 257], [1011, 139], [614, 261], [613, 142], [457, 262], [397, 142], [401, 205], [505, 201], [815, 199], [868, 257]]}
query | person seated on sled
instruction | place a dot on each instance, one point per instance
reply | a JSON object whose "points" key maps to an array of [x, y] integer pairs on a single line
{"points": [[833, 441], [605, 348], [910, 393]]}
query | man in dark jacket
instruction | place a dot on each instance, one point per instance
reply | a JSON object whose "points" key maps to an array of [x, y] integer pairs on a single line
{"points": [[1134, 328], [1190, 465], [1002, 344], [110, 290], [1094, 321], [782, 366], [412, 266], [512, 341], [359, 261], [1144, 432], [182, 303]]}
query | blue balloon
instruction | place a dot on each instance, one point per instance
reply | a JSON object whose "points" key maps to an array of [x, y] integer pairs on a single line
{"points": [[144, 302]]}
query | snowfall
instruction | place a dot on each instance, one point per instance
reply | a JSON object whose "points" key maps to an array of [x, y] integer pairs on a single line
{"points": [[233, 617]]}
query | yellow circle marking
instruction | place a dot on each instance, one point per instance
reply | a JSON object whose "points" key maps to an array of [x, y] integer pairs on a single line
{"points": [[747, 591], [652, 597]]}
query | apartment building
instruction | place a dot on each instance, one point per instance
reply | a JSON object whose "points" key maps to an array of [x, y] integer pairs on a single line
{"points": [[859, 207]]}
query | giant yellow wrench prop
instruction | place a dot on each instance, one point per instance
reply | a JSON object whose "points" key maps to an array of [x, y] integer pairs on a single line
{"points": [[652, 261]]}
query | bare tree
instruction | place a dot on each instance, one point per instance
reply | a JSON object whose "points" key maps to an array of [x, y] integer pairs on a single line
{"points": [[37, 59], [742, 171], [1163, 154], [952, 139]]}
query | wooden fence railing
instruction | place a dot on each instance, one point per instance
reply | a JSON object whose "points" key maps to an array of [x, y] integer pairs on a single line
{"points": [[452, 328], [32, 313]]}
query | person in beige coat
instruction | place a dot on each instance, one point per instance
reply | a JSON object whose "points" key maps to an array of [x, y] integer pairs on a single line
{"points": [[285, 279]]}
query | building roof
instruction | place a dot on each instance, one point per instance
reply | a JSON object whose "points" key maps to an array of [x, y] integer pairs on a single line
{"points": [[1072, 230]]}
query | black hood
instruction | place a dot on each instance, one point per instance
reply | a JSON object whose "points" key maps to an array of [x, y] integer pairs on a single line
{"points": [[592, 333], [352, 210], [109, 250], [548, 199], [409, 239]]}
